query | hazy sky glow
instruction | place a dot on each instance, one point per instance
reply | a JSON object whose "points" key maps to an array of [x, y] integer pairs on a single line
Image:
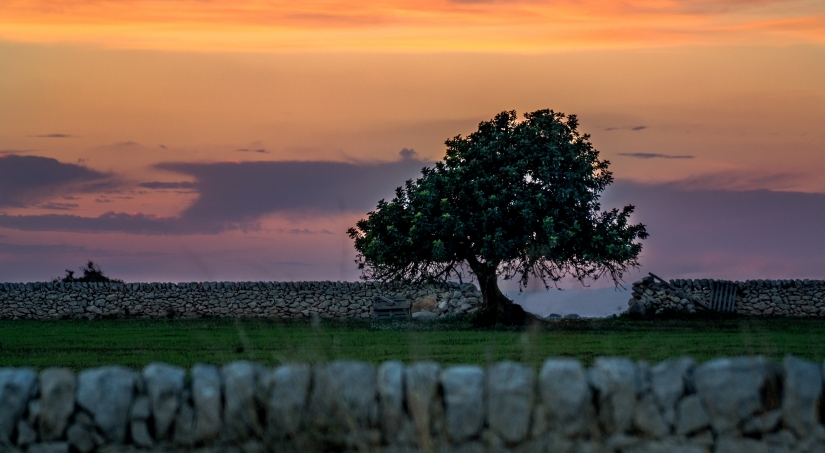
{"points": [[190, 140]]}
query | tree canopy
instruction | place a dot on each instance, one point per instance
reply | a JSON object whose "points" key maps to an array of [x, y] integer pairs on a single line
{"points": [[515, 199]]}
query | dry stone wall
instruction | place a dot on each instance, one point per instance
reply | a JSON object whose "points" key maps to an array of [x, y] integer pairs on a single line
{"points": [[224, 299], [726, 405], [794, 298]]}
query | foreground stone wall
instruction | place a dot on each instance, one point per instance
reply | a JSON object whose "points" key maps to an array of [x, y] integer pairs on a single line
{"points": [[744, 404], [796, 298], [224, 299]]}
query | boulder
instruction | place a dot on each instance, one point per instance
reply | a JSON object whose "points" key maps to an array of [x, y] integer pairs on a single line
{"points": [[164, 385], [206, 401], [565, 396], [425, 304], [463, 387], [286, 389], [106, 393], [57, 392], [424, 316], [510, 396], [732, 389], [16, 387], [801, 395]]}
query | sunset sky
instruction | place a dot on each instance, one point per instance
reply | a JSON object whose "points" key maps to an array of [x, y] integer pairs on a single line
{"points": [[215, 140]]}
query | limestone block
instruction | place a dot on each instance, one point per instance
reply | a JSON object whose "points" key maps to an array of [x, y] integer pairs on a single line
{"points": [[647, 417], [57, 393], [345, 391], [510, 397], [25, 434], [16, 387], [240, 413], [667, 383], [164, 384], [463, 401], [107, 393], [801, 395], [565, 396], [286, 389], [614, 381], [732, 389], [80, 437], [690, 415], [420, 390], [390, 386], [49, 447]]}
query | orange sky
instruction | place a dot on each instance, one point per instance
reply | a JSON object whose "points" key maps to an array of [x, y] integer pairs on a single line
{"points": [[714, 94], [509, 26]]}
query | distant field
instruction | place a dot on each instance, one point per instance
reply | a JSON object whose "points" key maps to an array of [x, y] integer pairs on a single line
{"points": [[135, 343]]}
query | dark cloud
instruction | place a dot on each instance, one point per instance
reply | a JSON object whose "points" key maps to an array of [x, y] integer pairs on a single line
{"points": [[53, 136], [305, 231], [26, 180], [408, 153], [656, 156], [58, 206], [15, 151], [735, 234], [260, 150], [168, 185], [237, 195], [629, 128], [737, 181], [162, 146]]}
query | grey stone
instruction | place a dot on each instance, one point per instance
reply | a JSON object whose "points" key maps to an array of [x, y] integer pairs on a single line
{"points": [[25, 434], [762, 423], [667, 383], [164, 384], [390, 385], [141, 408], [57, 391], [16, 387], [731, 390], [344, 390], [206, 399], [80, 437], [727, 444], [801, 395], [463, 387], [424, 316], [33, 411], [107, 393], [565, 396], [510, 395], [636, 308], [240, 412], [690, 415], [614, 381], [49, 447], [287, 390], [420, 389], [139, 431], [648, 418], [185, 426]]}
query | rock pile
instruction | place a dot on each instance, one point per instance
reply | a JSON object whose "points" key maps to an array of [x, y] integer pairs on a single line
{"points": [[221, 299], [795, 298], [617, 405]]}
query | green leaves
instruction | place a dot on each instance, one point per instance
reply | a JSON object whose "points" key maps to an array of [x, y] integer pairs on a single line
{"points": [[522, 195]]}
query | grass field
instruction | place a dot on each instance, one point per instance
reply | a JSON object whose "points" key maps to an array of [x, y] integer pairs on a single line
{"points": [[135, 343]]}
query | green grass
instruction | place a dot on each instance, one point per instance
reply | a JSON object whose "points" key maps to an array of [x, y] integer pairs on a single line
{"points": [[135, 343]]}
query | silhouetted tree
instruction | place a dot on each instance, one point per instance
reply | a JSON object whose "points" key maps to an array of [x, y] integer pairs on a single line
{"points": [[515, 198], [91, 273]]}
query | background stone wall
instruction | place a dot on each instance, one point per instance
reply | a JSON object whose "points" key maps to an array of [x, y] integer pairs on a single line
{"points": [[223, 299], [744, 404], [797, 298]]}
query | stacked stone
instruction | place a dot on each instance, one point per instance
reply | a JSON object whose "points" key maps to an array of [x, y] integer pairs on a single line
{"points": [[324, 299], [794, 298], [617, 405]]}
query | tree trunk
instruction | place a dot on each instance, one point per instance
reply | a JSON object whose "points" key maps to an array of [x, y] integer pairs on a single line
{"points": [[496, 307]]}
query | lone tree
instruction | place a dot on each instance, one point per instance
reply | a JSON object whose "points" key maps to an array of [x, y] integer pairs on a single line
{"points": [[515, 199], [91, 273]]}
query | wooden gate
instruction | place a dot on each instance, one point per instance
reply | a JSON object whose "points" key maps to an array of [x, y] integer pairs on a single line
{"points": [[723, 295]]}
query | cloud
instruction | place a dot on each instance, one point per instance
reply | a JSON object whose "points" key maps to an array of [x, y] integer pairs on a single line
{"points": [[53, 136], [58, 206], [628, 128], [168, 185], [408, 153], [26, 180], [260, 150], [737, 181], [15, 151], [305, 231], [656, 156], [236, 196]]}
